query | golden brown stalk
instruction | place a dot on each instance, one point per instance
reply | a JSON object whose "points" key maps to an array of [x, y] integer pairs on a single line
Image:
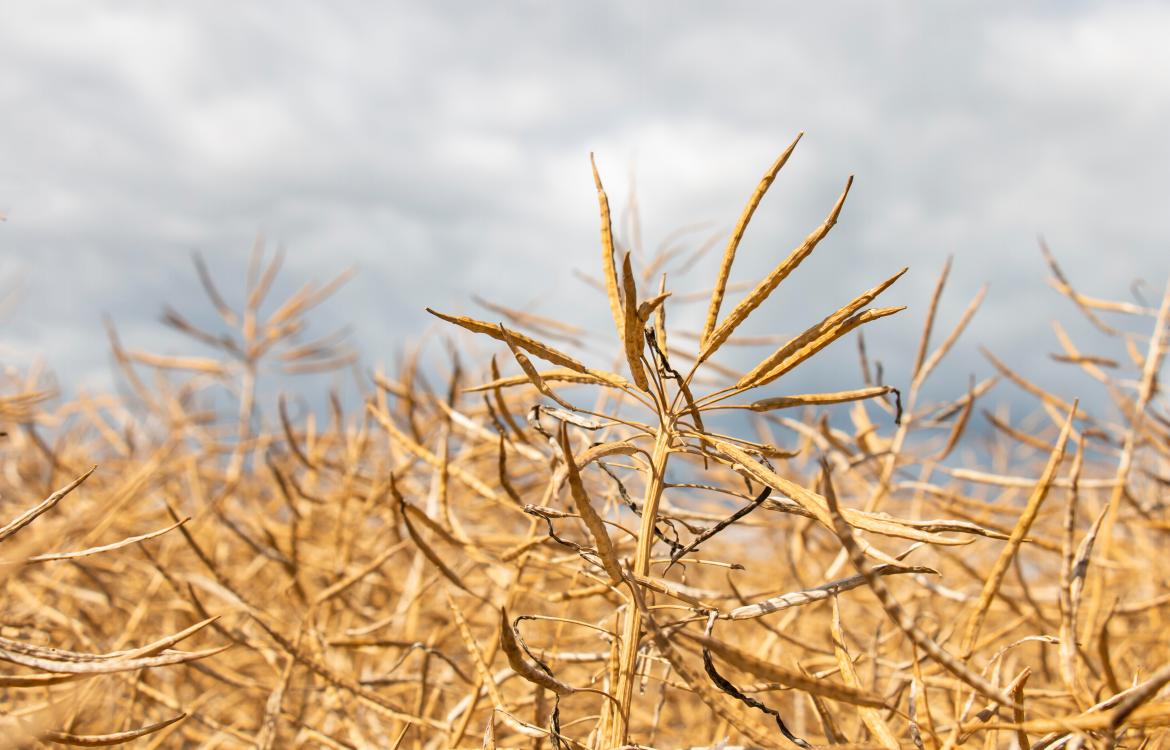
{"points": [[960, 424], [937, 355], [996, 575], [1018, 435], [765, 288], [259, 291], [209, 288], [1016, 690], [815, 594], [463, 475], [585, 509], [544, 325], [30, 515], [109, 666], [517, 661], [1070, 589], [266, 740], [619, 717], [607, 256], [918, 690], [680, 591], [816, 331], [931, 312], [482, 668], [1151, 366], [1029, 386], [737, 235], [529, 344], [561, 375], [632, 327], [660, 317], [816, 506], [869, 715], [850, 693], [1141, 694], [51, 556], [113, 738], [204, 365], [425, 548], [806, 350], [530, 371], [1060, 282], [651, 306], [817, 399]]}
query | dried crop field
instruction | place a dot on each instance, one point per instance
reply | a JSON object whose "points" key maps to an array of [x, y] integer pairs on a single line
{"points": [[540, 551]]}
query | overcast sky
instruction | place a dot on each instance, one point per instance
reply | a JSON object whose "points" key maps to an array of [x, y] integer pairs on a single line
{"points": [[442, 148]]}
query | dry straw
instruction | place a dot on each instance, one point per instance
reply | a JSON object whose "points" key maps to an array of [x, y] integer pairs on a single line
{"points": [[536, 552]]}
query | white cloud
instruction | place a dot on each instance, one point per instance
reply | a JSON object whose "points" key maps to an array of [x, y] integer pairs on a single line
{"points": [[443, 148]]}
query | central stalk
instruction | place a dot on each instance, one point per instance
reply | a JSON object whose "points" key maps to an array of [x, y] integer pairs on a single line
{"points": [[631, 630]]}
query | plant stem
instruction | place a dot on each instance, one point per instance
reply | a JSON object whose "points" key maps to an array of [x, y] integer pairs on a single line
{"points": [[244, 429], [619, 726]]}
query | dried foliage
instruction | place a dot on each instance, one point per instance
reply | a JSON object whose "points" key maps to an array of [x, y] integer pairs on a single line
{"points": [[563, 556]]}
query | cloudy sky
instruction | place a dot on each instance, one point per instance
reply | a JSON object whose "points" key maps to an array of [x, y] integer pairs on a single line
{"points": [[442, 149]]}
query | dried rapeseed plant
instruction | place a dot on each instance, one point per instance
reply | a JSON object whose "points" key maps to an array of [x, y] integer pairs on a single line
{"points": [[674, 430]]}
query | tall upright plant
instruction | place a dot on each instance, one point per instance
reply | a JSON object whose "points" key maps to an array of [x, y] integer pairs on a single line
{"points": [[666, 388]]}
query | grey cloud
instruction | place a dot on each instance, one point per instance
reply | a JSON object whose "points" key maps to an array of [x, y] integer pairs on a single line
{"points": [[442, 148]]}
